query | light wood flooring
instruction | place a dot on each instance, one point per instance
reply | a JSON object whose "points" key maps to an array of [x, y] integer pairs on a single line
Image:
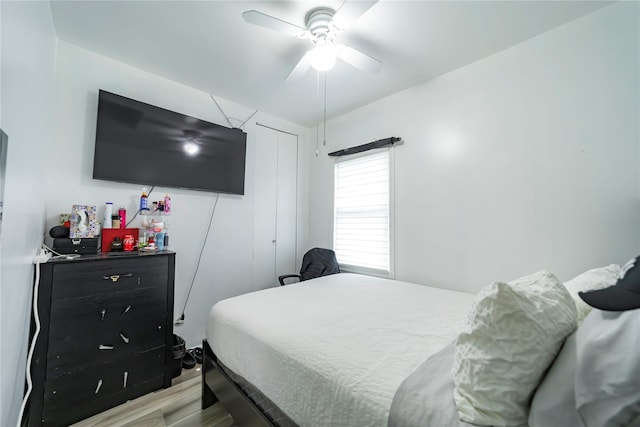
{"points": [[176, 406]]}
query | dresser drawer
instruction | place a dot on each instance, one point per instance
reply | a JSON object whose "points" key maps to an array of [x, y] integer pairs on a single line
{"points": [[105, 345], [95, 329], [76, 322], [83, 391], [108, 276]]}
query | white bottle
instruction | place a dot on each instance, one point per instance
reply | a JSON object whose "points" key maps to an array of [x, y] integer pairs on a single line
{"points": [[108, 212]]}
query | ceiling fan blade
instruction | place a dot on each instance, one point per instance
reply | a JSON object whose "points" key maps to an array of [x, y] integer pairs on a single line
{"points": [[267, 21], [301, 67], [360, 60], [349, 12]]}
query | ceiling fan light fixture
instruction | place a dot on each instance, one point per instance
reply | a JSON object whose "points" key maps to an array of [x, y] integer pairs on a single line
{"points": [[323, 57], [322, 26]]}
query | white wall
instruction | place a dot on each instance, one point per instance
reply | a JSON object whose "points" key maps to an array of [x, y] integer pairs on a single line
{"points": [[27, 82], [524, 160], [225, 269]]}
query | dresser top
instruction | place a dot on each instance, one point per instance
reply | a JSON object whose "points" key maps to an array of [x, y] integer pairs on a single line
{"points": [[107, 255]]}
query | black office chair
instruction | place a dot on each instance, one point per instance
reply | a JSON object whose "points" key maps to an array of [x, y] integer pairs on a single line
{"points": [[315, 263]]}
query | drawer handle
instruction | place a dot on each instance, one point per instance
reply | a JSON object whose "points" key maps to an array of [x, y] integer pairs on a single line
{"points": [[105, 347], [117, 277], [126, 375], [126, 309], [98, 386], [124, 338], [102, 313]]}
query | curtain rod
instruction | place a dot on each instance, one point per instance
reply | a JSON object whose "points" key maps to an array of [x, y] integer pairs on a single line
{"points": [[365, 147]]}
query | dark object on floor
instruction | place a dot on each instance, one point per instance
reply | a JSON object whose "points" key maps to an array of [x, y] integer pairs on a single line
{"points": [[197, 353], [189, 360], [315, 263], [178, 350]]}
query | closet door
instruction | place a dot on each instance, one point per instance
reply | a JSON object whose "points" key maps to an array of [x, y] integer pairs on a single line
{"points": [[286, 204], [275, 221]]}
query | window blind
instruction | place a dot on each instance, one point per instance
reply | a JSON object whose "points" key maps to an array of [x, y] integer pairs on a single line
{"points": [[361, 208]]}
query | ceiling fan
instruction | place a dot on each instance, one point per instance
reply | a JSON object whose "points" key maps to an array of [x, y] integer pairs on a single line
{"points": [[323, 25]]}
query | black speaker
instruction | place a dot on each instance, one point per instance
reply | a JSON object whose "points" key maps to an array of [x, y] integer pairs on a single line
{"points": [[59, 231]]}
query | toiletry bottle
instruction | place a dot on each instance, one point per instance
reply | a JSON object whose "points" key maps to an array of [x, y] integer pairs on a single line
{"points": [[122, 213], [115, 221], [108, 212], [167, 203], [144, 202]]}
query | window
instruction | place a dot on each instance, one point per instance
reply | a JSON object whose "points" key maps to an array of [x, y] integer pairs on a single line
{"points": [[362, 214]]}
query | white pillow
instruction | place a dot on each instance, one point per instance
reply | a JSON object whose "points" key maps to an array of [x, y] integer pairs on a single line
{"points": [[554, 403], [607, 379], [591, 280], [513, 333]]}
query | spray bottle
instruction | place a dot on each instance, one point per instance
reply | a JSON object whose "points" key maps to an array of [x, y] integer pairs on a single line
{"points": [[144, 202], [167, 204], [122, 213]]}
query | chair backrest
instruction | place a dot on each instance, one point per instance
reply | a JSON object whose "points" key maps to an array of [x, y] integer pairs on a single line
{"points": [[318, 262]]}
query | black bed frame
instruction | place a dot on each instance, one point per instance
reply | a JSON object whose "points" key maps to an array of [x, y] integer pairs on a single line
{"points": [[217, 386]]}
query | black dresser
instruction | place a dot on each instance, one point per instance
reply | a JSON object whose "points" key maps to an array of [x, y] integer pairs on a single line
{"points": [[105, 336]]}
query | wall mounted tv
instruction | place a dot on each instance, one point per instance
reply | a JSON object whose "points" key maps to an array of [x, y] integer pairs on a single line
{"points": [[143, 144]]}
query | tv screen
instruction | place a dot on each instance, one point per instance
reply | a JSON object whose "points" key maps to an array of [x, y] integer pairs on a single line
{"points": [[143, 144]]}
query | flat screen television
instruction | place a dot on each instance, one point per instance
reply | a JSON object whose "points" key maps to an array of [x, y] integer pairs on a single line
{"points": [[143, 144]]}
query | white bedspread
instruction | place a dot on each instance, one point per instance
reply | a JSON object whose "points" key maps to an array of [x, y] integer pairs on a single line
{"points": [[333, 351]]}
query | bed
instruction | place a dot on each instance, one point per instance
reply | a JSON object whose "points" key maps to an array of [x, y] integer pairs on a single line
{"points": [[346, 349]]}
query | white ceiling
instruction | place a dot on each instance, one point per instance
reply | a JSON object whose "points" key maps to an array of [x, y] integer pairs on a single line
{"points": [[208, 46]]}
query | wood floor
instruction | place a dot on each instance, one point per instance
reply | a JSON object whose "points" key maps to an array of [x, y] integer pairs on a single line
{"points": [[176, 406]]}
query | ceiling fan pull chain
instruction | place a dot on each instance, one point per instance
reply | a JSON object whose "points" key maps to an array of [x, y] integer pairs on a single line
{"points": [[319, 105], [317, 137], [324, 131]]}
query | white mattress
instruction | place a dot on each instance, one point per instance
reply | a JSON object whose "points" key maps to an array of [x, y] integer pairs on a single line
{"points": [[333, 351]]}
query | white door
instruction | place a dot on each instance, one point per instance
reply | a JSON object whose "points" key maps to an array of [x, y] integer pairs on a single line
{"points": [[275, 221]]}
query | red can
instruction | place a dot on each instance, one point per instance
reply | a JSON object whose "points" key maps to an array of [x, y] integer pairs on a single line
{"points": [[128, 242]]}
